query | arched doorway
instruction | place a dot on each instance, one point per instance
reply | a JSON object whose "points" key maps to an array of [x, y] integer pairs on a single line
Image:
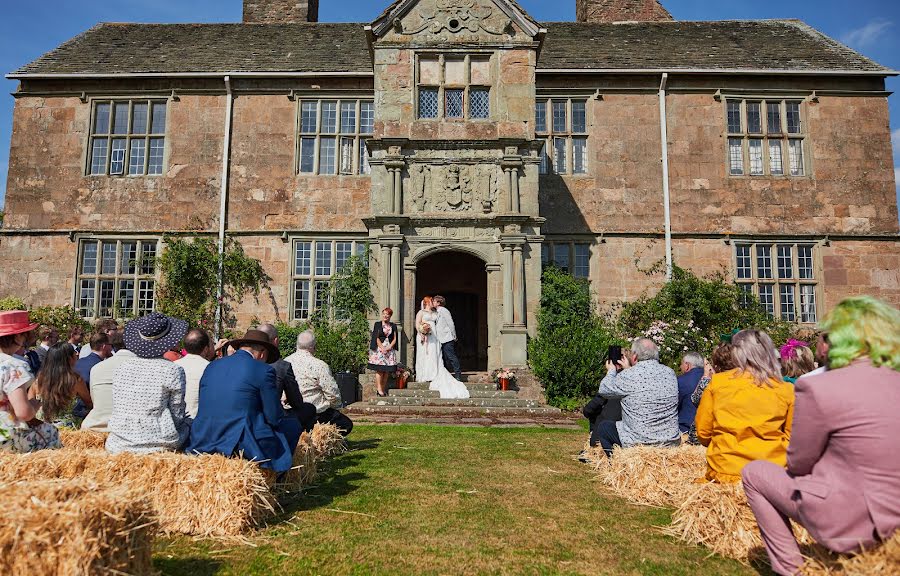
{"points": [[462, 279]]}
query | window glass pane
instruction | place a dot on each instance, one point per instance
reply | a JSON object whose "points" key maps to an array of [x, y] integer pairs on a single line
{"points": [[754, 118], [793, 118], [327, 153], [126, 297], [107, 293], [773, 114], [322, 288], [146, 297], [582, 261], [128, 263], [808, 303], [785, 261], [545, 159], [364, 167], [347, 155], [559, 155], [307, 155], [455, 72], [98, 156], [159, 118], [361, 251], [101, 119], [764, 261], [788, 306], [744, 266], [342, 253], [367, 117], [479, 103], [776, 159], [540, 117], [348, 117], [308, 117], [428, 103], [139, 113], [795, 152], [746, 293], [301, 299], [560, 123], [157, 147], [767, 298], [734, 117], [89, 258], [481, 71], [136, 159], [86, 297], [323, 258], [545, 255], [561, 256], [579, 117], [148, 258], [120, 118], [108, 260], [735, 156], [453, 104], [302, 258], [579, 155], [117, 159], [329, 117], [756, 157], [805, 262]]}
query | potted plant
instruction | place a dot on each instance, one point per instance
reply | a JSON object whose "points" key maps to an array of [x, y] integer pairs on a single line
{"points": [[504, 377], [402, 374]]}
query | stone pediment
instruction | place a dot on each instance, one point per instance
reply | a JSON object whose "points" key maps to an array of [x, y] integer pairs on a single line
{"points": [[457, 21]]}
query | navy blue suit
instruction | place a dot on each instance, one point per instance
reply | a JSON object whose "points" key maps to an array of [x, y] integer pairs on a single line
{"points": [[240, 412], [83, 366], [687, 382]]}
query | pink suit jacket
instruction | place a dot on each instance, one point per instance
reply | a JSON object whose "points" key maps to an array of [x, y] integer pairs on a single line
{"points": [[844, 454]]}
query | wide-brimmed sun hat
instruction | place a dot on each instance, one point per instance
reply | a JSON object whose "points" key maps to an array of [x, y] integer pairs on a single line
{"points": [[257, 338], [154, 334], [15, 322]]}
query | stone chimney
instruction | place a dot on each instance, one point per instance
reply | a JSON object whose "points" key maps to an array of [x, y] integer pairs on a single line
{"points": [[598, 11], [280, 11]]}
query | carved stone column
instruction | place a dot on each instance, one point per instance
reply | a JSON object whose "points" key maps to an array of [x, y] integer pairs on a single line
{"points": [[508, 313], [512, 164], [395, 279], [518, 284], [514, 334], [395, 179]]}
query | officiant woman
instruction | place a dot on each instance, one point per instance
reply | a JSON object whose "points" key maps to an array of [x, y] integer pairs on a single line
{"points": [[383, 351]]}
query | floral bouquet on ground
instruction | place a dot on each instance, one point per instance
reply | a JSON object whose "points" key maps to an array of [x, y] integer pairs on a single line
{"points": [[403, 374], [504, 377]]}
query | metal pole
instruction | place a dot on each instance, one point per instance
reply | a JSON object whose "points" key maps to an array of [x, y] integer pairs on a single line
{"points": [[664, 135], [223, 206]]}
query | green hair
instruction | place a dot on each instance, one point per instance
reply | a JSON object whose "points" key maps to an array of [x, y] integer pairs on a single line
{"points": [[863, 326]]}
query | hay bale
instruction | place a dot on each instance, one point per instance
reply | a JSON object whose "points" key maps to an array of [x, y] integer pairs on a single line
{"points": [[304, 468], [327, 440], [75, 528], [651, 475], [82, 439], [205, 495], [881, 560]]}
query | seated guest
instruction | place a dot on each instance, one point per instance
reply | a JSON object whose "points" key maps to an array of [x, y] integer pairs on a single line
{"points": [[291, 398], [20, 430], [691, 368], [745, 414], [721, 360], [317, 383], [105, 326], [198, 346], [240, 408], [842, 481], [100, 351], [58, 385], [102, 376], [76, 335], [29, 355], [649, 394], [47, 337], [796, 360], [148, 391], [821, 356]]}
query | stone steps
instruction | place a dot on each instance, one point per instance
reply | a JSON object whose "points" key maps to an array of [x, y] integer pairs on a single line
{"points": [[470, 386], [466, 402], [424, 393], [457, 413]]}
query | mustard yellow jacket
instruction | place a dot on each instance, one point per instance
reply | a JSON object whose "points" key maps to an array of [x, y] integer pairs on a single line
{"points": [[739, 422]]}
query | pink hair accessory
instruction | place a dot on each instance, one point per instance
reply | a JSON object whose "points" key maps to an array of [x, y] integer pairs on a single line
{"points": [[789, 350]]}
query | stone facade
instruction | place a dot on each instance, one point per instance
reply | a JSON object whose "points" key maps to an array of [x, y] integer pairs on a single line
{"points": [[280, 11], [461, 205], [620, 11]]}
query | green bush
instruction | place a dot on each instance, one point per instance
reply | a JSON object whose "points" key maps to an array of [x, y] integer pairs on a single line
{"points": [[11, 303], [63, 318]]}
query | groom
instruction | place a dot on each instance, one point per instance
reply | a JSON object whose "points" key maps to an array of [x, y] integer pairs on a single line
{"points": [[445, 331]]}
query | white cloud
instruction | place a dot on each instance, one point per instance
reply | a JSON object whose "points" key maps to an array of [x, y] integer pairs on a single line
{"points": [[895, 140], [868, 34]]}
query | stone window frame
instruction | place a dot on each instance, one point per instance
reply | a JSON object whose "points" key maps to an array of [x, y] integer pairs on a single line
{"points": [[765, 137], [570, 246], [766, 268], [314, 279], [547, 132], [148, 138], [359, 163], [442, 86], [144, 277]]}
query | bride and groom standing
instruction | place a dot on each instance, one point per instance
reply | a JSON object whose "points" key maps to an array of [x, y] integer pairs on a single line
{"points": [[435, 345]]}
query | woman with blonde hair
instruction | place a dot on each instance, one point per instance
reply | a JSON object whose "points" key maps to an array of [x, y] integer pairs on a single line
{"points": [[745, 413], [842, 481], [796, 360]]}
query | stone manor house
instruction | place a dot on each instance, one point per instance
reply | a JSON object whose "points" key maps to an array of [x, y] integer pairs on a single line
{"points": [[466, 145]]}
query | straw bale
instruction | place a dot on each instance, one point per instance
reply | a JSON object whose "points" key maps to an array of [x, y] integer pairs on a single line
{"points": [[74, 528], [205, 495], [651, 475], [327, 440], [882, 560], [304, 468], [82, 439]]}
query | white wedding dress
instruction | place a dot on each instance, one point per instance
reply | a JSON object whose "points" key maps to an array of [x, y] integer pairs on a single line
{"points": [[430, 363]]}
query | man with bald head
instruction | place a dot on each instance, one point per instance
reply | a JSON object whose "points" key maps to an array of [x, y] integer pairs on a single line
{"points": [[317, 383], [198, 346], [286, 382]]}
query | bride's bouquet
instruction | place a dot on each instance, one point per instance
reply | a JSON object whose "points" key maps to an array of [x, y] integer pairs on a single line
{"points": [[424, 330]]}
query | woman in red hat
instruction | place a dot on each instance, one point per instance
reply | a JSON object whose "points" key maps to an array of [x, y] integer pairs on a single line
{"points": [[20, 430]]}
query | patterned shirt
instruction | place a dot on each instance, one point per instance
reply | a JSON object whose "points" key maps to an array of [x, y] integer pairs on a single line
{"points": [[14, 374], [316, 383], [649, 393]]}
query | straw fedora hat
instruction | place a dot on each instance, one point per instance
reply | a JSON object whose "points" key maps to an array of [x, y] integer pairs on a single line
{"points": [[257, 338], [15, 322], [154, 334]]}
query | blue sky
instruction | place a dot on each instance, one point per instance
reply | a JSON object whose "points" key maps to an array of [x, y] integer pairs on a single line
{"points": [[29, 29]]}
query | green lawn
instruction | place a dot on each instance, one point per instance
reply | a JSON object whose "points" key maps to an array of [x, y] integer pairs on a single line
{"points": [[453, 500]]}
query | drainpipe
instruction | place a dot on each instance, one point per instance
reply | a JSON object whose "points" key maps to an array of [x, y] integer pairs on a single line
{"points": [[223, 205], [664, 135]]}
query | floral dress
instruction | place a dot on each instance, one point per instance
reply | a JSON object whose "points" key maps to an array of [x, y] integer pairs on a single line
{"points": [[18, 436], [379, 360]]}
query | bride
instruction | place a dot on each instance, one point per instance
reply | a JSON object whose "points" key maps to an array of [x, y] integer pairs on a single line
{"points": [[429, 361]]}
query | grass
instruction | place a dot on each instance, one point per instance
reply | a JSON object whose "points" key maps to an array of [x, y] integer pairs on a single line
{"points": [[453, 500]]}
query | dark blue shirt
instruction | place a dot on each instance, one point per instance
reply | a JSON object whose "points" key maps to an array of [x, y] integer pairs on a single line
{"points": [[687, 382], [84, 365]]}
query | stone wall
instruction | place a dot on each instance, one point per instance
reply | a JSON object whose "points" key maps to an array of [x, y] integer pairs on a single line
{"points": [[280, 11], [620, 11]]}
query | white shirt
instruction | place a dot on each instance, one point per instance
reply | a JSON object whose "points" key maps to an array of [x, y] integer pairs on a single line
{"points": [[194, 366], [316, 383], [85, 351], [444, 329], [101, 391]]}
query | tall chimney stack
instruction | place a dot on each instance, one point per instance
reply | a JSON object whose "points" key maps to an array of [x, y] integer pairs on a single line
{"points": [[280, 11], [598, 11]]}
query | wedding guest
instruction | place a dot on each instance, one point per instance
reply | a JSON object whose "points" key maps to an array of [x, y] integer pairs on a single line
{"points": [[76, 335], [28, 354], [102, 376], [821, 356], [20, 430], [383, 351], [288, 389], [198, 346], [47, 337], [57, 386], [842, 481], [691, 368], [104, 326], [148, 391], [649, 394], [240, 409], [721, 360], [317, 383], [100, 351], [796, 360], [745, 414]]}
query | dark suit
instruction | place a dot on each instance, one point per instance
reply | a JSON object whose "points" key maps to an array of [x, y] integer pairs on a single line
{"points": [[687, 383], [240, 413], [288, 388], [83, 368]]}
